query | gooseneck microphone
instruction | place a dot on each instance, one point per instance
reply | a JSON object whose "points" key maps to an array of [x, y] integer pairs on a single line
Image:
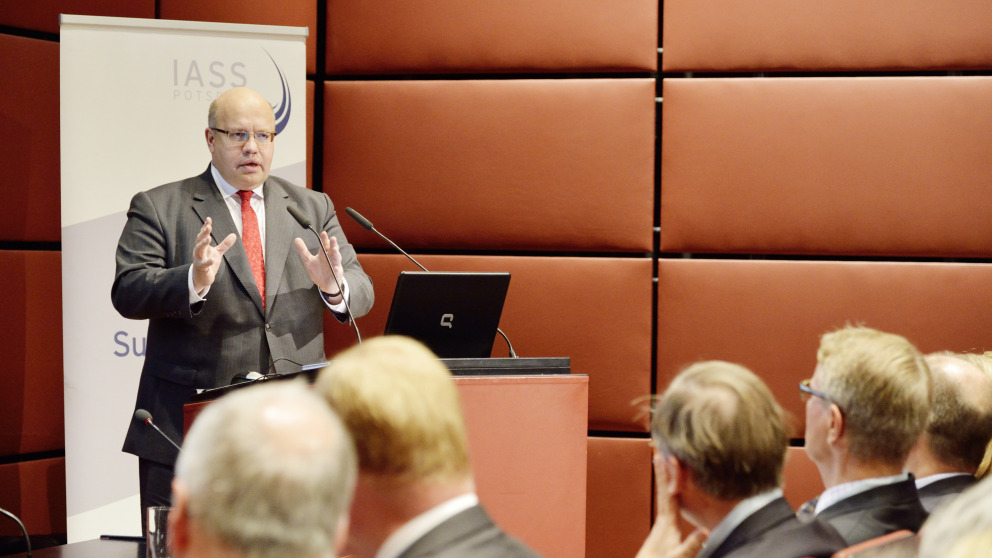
{"points": [[366, 224], [144, 416], [305, 223], [15, 519]]}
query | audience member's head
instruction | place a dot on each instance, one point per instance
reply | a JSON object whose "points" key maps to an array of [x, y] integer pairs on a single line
{"points": [[720, 446], [402, 407], [266, 472], [871, 399], [962, 524], [960, 423], [983, 361], [723, 426]]}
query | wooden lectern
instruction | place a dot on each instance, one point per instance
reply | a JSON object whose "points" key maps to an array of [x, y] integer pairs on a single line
{"points": [[527, 428]]}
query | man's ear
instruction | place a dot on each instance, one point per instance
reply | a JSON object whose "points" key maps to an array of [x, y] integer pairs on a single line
{"points": [[209, 135], [675, 475], [837, 424], [179, 520]]}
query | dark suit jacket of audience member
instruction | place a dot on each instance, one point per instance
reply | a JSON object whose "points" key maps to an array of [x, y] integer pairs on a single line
{"points": [[936, 493], [876, 512], [470, 533], [775, 531]]}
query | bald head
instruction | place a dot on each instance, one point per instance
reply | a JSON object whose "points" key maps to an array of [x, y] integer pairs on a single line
{"points": [[973, 387], [268, 471], [244, 165], [960, 422], [235, 100]]}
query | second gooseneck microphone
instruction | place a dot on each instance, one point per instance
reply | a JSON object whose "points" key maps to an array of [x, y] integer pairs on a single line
{"points": [[365, 223], [368, 225], [305, 223]]}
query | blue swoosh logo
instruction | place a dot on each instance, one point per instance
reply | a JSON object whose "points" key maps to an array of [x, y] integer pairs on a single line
{"points": [[284, 107]]}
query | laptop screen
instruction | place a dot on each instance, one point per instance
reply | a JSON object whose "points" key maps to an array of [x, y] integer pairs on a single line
{"points": [[454, 313]]}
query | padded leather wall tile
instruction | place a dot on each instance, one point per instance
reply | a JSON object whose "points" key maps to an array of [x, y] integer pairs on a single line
{"points": [[854, 166], [717, 35], [802, 478], [556, 307], [29, 116], [769, 315], [620, 494], [35, 492], [479, 164], [444, 36], [294, 13], [530, 463], [43, 15], [31, 418]]}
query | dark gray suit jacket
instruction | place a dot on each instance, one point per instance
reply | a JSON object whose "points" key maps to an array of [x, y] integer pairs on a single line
{"points": [[471, 533], [936, 493], [774, 530], [204, 346], [876, 512]]}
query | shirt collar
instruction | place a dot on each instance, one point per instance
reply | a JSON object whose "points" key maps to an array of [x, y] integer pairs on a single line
{"points": [[413, 530], [929, 479], [744, 509], [843, 491], [226, 190]]}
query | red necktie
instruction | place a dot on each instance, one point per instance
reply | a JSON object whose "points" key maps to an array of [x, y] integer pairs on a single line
{"points": [[252, 240]]}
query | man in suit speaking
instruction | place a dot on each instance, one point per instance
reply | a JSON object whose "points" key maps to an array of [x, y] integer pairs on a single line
{"points": [[217, 307]]}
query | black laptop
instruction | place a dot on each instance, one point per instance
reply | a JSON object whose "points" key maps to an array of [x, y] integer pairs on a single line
{"points": [[454, 313]]}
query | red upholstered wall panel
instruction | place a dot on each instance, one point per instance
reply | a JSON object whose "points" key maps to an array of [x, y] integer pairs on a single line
{"points": [[619, 502], [527, 442], [31, 418], [479, 164], [35, 492], [29, 117], [293, 13], [769, 315], [549, 312], [43, 15], [715, 35], [448, 36], [854, 166]]}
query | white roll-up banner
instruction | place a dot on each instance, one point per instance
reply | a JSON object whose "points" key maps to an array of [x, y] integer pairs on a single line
{"points": [[134, 95]]}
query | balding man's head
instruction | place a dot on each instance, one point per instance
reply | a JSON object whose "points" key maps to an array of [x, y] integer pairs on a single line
{"points": [[243, 164], [960, 422]]}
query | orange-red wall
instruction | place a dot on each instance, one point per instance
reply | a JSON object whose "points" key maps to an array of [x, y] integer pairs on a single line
{"points": [[809, 166]]}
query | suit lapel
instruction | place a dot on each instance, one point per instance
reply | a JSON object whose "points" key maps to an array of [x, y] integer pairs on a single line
{"points": [[280, 230], [207, 202]]}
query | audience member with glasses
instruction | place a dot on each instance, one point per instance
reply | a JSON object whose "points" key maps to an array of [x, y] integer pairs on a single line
{"points": [[228, 280], [866, 405]]}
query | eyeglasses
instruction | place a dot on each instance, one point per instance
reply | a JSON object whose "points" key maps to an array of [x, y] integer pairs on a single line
{"points": [[807, 391], [242, 136]]}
